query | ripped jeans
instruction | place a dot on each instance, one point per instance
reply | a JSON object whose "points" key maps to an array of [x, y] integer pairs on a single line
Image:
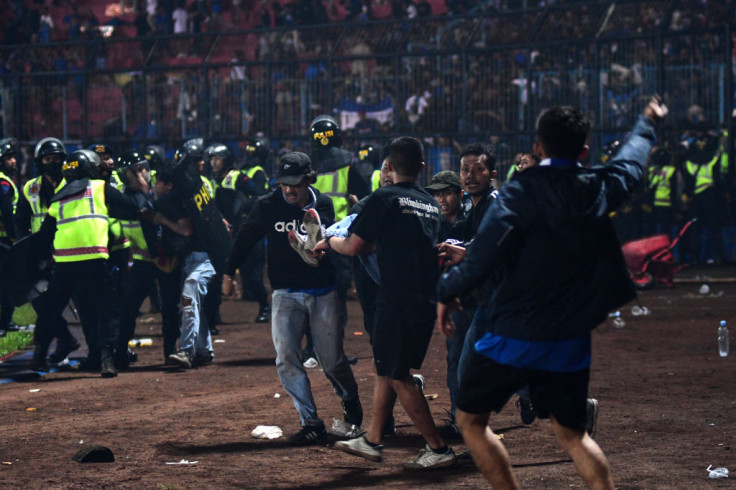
{"points": [[194, 335]]}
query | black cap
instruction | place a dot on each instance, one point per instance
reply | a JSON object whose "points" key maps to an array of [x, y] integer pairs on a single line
{"points": [[293, 167], [443, 180]]}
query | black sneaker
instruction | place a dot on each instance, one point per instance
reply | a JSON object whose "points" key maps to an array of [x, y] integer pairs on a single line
{"points": [[528, 415], [310, 435], [201, 361], [90, 365], [264, 314], [38, 362], [63, 349], [108, 368], [389, 427], [352, 412]]}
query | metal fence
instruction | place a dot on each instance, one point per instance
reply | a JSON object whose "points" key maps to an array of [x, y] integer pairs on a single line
{"points": [[447, 80]]}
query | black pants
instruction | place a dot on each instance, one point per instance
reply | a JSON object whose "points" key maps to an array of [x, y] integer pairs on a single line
{"points": [[251, 274], [141, 278], [86, 280]]}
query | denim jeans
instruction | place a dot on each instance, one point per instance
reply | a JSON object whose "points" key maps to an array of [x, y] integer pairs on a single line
{"points": [[194, 335], [288, 314]]}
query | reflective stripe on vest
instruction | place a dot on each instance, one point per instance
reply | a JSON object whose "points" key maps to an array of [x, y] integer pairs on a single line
{"points": [[251, 172], [118, 240], [81, 225], [138, 246], [335, 185], [660, 182], [375, 180], [703, 173], [208, 185], [3, 232], [115, 180], [32, 192], [230, 180]]}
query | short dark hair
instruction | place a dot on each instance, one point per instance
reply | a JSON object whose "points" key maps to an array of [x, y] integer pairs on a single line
{"points": [[562, 131], [166, 174], [479, 149], [406, 155]]}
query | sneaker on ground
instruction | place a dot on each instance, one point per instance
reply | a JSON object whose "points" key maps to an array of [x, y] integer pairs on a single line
{"points": [[389, 428], [310, 435], [352, 411], [264, 314], [429, 460], [297, 241], [108, 368], [314, 229], [464, 457], [528, 415], [591, 416], [360, 447], [63, 349], [182, 359], [311, 363], [345, 430], [203, 360]]}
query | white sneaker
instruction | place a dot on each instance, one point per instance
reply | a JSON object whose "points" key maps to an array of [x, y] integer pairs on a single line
{"points": [[359, 447], [297, 241], [310, 363], [313, 225], [429, 460]]}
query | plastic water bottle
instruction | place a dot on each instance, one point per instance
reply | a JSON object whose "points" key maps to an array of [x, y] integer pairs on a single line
{"points": [[140, 342], [616, 319], [723, 339]]}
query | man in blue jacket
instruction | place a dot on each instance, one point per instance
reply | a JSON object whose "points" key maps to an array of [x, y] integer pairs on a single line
{"points": [[548, 254]]}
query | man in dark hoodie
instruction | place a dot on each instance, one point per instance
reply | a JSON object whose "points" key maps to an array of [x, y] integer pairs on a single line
{"points": [[549, 255], [300, 291]]}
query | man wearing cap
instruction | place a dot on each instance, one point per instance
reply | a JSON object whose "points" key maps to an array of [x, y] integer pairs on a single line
{"points": [[300, 291], [448, 192]]}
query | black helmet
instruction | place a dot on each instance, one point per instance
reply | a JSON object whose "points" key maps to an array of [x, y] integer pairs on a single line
{"points": [[81, 164], [101, 148], [325, 132], [130, 159], [7, 147], [256, 152], [609, 150], [155, 155], [194, 149], [369, 154], [48, 146], [222, 151]]}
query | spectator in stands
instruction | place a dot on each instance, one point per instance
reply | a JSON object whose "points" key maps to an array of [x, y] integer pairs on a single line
{"points": [[45, 25]]}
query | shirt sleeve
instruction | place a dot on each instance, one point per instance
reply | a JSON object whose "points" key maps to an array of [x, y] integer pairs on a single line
{"points": [[23, 214], [370, 220], [6, 208], [251, 231]]}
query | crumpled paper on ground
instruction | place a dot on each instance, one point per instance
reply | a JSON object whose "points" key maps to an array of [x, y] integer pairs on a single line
{"points": [[267, 432]]}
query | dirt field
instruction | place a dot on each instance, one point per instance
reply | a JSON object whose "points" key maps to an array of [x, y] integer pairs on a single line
{"points": [[667, 411]]}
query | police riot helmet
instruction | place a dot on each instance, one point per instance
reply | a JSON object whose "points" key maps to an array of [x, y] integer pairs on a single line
{"points": [[7, 147], [325, 132], [155, 155], [81, 164], [193, 149], [130, 159], [370, 154], [256, 152], [48, 146], [609, 150], [101, 148], [45, 147], [222, 151]]}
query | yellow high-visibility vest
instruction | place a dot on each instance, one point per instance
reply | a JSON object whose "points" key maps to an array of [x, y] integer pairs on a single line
{"points": [[32, 192], [659, 181], [81, 224], [3, 231], [375, 180], [703, 173], [335, 185]]}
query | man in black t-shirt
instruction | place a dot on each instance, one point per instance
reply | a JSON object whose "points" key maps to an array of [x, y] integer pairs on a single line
{"points": [[181, 239], [402, 222], [300, 292]]}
